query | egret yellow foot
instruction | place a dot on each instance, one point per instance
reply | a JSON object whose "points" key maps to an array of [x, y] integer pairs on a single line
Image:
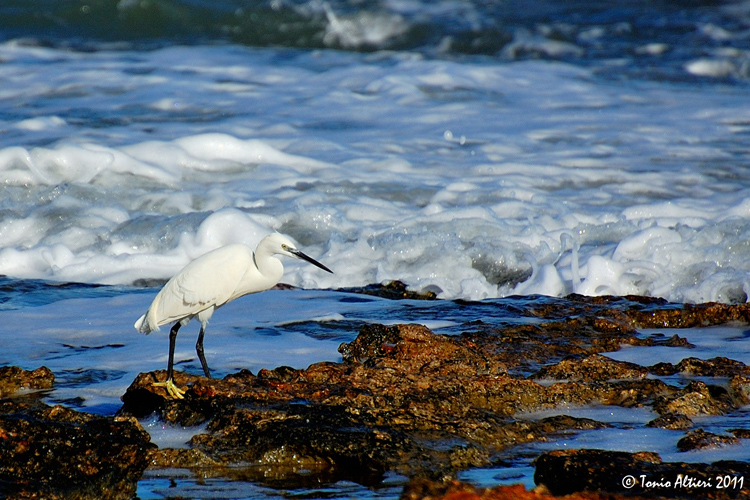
{"points": [[172, 389]]}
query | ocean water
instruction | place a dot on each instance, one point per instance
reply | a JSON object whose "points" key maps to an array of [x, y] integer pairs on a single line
{"points": [[473, 149], [587, 152]]}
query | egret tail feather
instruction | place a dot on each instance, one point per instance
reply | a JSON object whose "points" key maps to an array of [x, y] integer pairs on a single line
{"points": [[144, 326]]}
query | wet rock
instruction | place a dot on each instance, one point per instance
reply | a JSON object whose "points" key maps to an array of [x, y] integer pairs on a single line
{"points": [[404, 400], [594, 368], [568, 471], [180, 458], [637, 474], [333, 443], [715, 367], [700, 439], [55, 452], [690, 315], [673, 341], [14, 379], [740, 387], [142, 399], [424, 405], [671, 421], [393, 290], [566, 422], [416, 348], [696, 398], [524, 349], [741, 433], [642, 312], [625, 393], [455, 490]]}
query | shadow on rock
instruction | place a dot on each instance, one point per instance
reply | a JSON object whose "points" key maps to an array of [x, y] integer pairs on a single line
{"points": [[639, 474]]}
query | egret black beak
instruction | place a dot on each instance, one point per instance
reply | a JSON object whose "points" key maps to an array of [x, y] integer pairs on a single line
{"points": [[309, 259]]}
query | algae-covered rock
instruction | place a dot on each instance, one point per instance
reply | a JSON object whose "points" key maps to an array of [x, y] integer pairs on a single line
{"points": [[55, 452], [14, 379]]}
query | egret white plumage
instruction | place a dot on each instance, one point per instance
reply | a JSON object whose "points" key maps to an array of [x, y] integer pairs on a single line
{"points": [[209, 282]]}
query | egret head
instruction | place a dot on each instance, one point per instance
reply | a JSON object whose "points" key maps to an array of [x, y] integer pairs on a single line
{"points": [[284, 246]]}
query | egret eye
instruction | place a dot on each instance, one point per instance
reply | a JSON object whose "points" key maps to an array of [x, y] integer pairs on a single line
{"points": [[285, 247]]}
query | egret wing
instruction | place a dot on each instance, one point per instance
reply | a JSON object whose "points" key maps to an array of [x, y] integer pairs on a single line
{"points": [[210, 280]]}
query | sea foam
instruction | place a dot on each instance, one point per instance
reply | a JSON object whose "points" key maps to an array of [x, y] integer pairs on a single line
{"points": [[472, 180]]}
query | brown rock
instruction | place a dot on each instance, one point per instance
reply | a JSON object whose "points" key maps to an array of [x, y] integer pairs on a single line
{"points": [[455, 490], [405, 399], [700, 439], [740, 386], [671, 421], [326, 441], [55, 452], [392, 290], [741, 433], [715, 367], [567, 471], [14, 379], [408, 400], [180, 458], [639, 474], [696, 399], [594, 368], [690, 315]]}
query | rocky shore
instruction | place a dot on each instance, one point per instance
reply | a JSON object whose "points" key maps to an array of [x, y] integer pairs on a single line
{"points": [[406, 400], [52, 452]]}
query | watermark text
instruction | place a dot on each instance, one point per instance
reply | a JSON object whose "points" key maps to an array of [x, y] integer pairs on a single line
{"points": [[685, 482]]}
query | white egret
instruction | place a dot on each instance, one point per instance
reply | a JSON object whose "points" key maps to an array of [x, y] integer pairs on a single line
{"points": [[209, 282]]}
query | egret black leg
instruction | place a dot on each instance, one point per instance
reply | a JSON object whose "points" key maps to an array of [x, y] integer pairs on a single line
{"points": [[172, 340], [199, 350], [172, 389]]}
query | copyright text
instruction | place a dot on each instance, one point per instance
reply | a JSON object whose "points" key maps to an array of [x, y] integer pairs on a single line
{"points": [[685, 481]]}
